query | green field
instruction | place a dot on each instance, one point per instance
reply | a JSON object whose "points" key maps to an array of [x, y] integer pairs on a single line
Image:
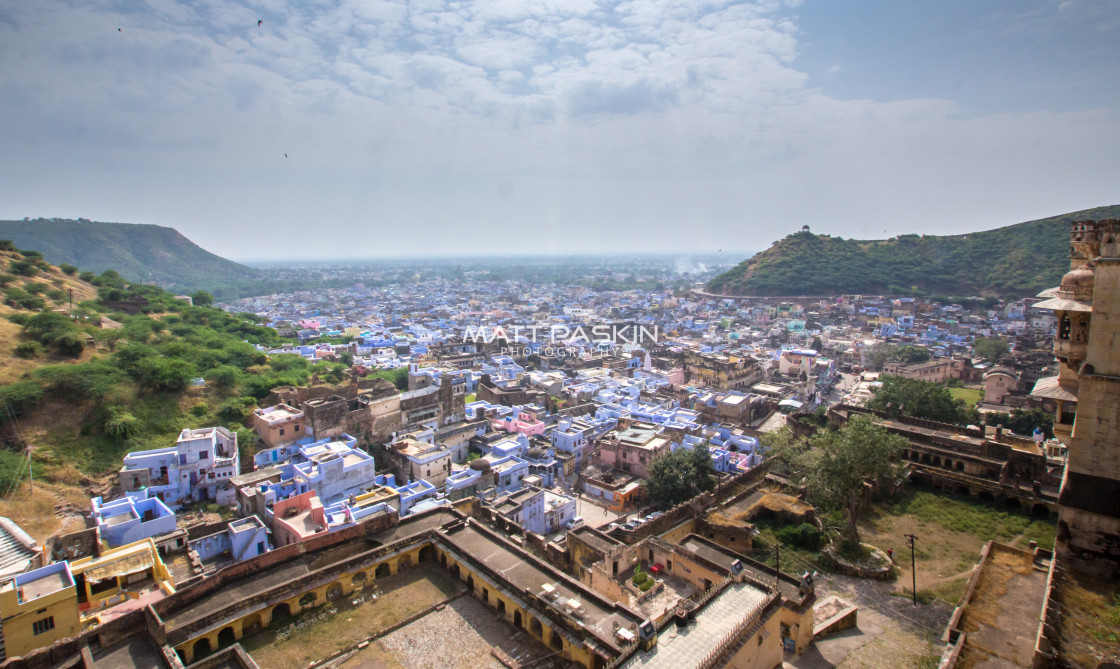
{"points": [[970, 396]]}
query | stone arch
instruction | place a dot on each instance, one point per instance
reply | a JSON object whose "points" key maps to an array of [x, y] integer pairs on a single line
{"points": [[227, 637], [359, 579], [1063, 531], [517, 618], [334, 591], [963, 490], [1014, 504], [502, 607], [1040, 511], [443, 560], [959, 466], [470, 582], [937, 461], [455, 570], [281, 611], [405, 562], [201, 649], [251, 624], [308, 599], [556, 640], [536, 628], [986, 496], [382, 571], [427, 554]]}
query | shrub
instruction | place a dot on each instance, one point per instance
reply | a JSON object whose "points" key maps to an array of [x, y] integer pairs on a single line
{"points": [[70, 344], [224, 376], [5, 279], [199, 410], [17, 398], [805, 536], [236, 409], [68, 269], [646, 584], [29, 350], [7, 245], [23, 268], [120, 424], [88, 277]]}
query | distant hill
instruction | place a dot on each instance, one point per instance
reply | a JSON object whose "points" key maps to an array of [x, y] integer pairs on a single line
{"points": [[143, 253], [1016, 260]]}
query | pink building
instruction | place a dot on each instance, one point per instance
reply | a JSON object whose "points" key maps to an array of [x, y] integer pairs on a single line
{"points": [[297, 518], [521, 421]]}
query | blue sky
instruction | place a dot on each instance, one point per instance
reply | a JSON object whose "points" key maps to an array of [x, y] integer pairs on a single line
{"points": [[555, 125]]}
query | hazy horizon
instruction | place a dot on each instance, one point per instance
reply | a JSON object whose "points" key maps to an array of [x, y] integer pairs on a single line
{"points": [[384, 129]]}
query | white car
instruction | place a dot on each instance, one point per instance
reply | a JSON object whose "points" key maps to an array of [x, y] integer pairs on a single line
{"points": [[574, 523]]}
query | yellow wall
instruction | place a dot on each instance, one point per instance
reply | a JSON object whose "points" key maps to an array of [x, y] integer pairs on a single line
{"points": [[19, 619]]}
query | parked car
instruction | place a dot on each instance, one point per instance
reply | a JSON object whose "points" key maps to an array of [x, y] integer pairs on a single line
{"points": [[574, 523]]}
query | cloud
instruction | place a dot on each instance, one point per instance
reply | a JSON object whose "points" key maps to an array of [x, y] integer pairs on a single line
{"points": [[630, 121]]}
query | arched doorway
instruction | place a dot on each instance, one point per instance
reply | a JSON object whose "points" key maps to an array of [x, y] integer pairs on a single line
{"points": [[359, 579], [226, 637], [986, 496], [536, 628], [517, 619], [281, 611], [1040, 511], [443, 560], [455, 570], [470, 582], [404, 563], [251, 624], [334, 591], [557, 641], [382, 570], [427, 554], [502, 607], [307, 600], [1014, 504], [201, 648]]}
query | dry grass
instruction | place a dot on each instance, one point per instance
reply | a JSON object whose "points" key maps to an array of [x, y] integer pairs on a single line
{"points": [[1087, 628], [402, 595], [34, 512], [986, 606]]}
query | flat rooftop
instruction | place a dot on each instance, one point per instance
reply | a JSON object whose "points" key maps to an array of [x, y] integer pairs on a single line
{"points": [[44, 585], [522, 575], [679, 648], [1000, 620]]}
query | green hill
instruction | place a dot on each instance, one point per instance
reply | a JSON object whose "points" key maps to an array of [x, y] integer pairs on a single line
{"points": [[143, 253], [1015, 260]]}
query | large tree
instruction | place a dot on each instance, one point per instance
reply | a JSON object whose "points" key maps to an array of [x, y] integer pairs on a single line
{"points": [[680, 475], [836, 466], [990, 349], [920, 399]]}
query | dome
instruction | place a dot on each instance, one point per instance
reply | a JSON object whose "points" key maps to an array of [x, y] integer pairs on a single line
{"points": [[1078, 280]]}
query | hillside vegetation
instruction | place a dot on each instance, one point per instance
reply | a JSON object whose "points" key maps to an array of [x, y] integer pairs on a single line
{"points": [[1016, 260], [142, 253], [126, 368]]}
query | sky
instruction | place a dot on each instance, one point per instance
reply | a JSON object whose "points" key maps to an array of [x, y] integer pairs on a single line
{"points": [[355, 128]]}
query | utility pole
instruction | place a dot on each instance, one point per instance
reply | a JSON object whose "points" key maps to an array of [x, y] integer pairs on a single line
{"points": [[71, 301], [777, 564], [30, 477], [913, 571]]}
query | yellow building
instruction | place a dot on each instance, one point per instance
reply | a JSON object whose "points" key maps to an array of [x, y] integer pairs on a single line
{"points": [[38, 608], [118, 574]]}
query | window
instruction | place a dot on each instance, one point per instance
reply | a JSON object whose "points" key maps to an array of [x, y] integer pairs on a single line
{"points": [[202, 455], [43, 626], [281, 432]]}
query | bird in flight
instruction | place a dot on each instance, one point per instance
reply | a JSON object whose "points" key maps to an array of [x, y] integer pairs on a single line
{"points": [[285, 155], [259, 22], [118, 29]]}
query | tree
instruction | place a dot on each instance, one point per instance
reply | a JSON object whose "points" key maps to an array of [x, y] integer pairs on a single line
{"points": [[912, 354], [880, 354], [1024, 422], [920, 399], [836, 466], [202, 299], [990, 349], [679, 476]]}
